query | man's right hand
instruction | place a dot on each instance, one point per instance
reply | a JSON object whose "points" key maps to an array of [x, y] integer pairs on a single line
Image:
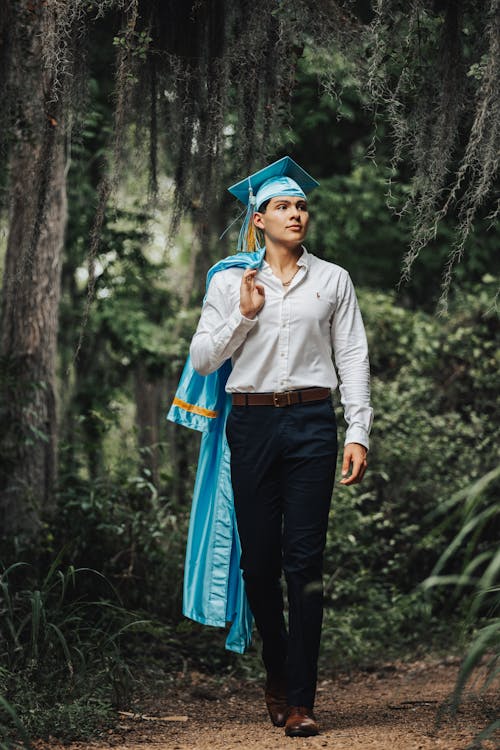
{"points": [[252, 296]]}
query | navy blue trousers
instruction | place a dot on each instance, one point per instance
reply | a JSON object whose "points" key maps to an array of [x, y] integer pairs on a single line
{"points": [[282, 472]]}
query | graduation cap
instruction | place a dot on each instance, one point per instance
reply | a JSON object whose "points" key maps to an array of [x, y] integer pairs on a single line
{"points": [[282, 177]]}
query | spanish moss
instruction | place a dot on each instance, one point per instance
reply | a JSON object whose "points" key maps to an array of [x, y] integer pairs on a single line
{"points": [[208, 84]]}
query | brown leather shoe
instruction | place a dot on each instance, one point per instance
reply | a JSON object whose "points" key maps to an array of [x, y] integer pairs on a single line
{"points": [[275, 695], [301, 722]]}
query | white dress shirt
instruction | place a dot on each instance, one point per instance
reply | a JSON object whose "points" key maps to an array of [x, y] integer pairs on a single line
{"points": [[290, 343]]}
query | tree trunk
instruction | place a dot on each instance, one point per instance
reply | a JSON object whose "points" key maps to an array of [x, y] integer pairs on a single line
{"points": [[149, 412], [31, 283]]}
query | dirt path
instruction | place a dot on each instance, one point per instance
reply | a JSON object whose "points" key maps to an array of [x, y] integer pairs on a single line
{"points": [[395, 708]]}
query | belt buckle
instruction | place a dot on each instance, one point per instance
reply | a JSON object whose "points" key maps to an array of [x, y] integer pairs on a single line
{"points": [[278, 399]]}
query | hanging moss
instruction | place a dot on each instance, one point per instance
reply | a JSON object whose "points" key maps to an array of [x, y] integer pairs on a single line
{"points": [[443, 105], [431, 68], [209, 81]]}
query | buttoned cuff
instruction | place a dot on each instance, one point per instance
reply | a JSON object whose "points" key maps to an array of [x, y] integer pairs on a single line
{"points": [[357, 434]]}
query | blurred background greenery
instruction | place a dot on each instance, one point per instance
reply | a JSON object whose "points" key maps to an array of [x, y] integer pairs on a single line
{"points": [[91, 581]]}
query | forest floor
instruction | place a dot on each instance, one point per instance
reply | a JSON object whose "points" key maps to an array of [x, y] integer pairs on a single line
{"points": [[397, 707]]}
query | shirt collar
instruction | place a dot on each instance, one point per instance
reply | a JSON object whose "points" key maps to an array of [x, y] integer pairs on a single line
{"points": [[304, 260]]}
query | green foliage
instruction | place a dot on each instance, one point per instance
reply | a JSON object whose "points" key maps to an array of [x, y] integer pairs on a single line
{"points": [[476, 511], [351, 223], [7, 710], [61, 656], [435, 430], [360, 216], [120, 525]]}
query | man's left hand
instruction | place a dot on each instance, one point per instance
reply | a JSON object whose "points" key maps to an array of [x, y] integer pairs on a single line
{"points": [[354, 459]]}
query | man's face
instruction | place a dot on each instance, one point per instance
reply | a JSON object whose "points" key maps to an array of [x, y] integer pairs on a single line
{"points": [[285, 220]]}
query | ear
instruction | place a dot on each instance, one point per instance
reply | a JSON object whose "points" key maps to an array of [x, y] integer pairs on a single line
{"points": [[258, 220]]}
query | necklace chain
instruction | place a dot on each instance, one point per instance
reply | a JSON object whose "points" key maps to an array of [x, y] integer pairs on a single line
{"points": [[287, 283]]}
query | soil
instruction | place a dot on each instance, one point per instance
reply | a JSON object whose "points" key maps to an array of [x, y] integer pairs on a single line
{"points": [[397, 707]]}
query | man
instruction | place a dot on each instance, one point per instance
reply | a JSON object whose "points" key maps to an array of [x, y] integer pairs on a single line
{"points": [[279, 325]]}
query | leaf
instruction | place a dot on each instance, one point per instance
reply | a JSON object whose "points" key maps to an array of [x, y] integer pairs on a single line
{"points": [[484, 735], [36, 619], [486, 636], [474, 524], [64, 646], [17, 722]]}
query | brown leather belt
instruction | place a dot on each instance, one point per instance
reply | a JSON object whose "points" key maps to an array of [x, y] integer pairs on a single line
{"points": [[286, 398]]}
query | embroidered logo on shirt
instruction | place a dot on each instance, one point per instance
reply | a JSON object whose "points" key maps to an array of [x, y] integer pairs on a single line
{"points": [[317, 295]]}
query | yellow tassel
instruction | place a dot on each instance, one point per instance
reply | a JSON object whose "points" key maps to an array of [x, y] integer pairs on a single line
{"points": [[251, 237]]}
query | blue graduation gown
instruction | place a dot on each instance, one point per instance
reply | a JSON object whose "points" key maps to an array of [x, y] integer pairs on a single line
{"points": [[214, 592]]}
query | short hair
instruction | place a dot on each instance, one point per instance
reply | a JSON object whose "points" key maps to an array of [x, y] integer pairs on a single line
{"points": [[263, 207]]}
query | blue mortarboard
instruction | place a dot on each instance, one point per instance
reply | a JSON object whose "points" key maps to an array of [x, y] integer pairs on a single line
{"points": [[282, 177], [285, 167]]}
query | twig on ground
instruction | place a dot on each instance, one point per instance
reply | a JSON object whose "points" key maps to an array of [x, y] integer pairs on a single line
{"points": [[144, 717]]}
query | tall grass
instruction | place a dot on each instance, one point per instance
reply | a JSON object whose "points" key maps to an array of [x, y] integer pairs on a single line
{"points": [[61, 662], [475, 554]]}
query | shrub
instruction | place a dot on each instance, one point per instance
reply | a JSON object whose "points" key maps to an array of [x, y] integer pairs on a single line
{"points": [[435, 432], [62, 664]]}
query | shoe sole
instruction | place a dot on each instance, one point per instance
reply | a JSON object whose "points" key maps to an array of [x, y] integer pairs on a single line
{"points": [[301, 732]]}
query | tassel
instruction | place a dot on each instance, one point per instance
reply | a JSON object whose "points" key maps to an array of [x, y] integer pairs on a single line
{"points": [[226, 230], [248, 240]]}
